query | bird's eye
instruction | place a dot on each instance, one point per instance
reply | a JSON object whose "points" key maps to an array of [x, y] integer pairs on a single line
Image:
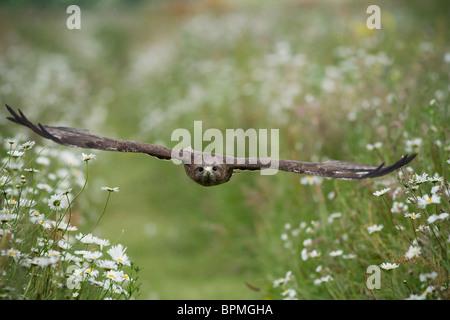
{"points": [[200, 169], [215, 168]]}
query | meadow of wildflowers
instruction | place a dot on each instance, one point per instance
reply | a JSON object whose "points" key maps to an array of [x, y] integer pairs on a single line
{"points": [[43, 254], [313, 70]]}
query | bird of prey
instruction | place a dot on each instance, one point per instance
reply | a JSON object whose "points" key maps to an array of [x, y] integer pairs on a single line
{"points": [[203, 172]]}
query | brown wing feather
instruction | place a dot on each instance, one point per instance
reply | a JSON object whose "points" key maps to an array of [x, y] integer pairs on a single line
{"points": [[342, 169], [85, 139], [333, 169]]}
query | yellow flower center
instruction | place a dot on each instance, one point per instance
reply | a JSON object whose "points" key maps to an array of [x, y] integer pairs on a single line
{"points": [[429, 200]]}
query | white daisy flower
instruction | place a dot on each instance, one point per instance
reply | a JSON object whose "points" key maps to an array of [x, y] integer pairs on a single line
{"points": [[310, 180], [434, 189], [422, 202], [16, 153], [85, 238], [417, 297], [117, 276], [81, 252], [44, 261], [9, 143], [7, 216], [435, 217], [89, 238], [81, 274], [388, 266], [91, 272], [13, 253], [381, 192], [27, 145], [106, 264], [46, 224], [115, 189], [305, 254], [282, 281], [63, 226], [52, 253], [87, 157], [92, 255], [290, 294], [412, 215], [63, 244], [423, 277], [314, 254], [58, 202], [117, 253], [412, 252], [436, 178], [102, 242], [116, 289], [418, 179], [432, 219]]}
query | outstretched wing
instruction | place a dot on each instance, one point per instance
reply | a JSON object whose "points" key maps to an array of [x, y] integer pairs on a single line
{"points": [[85, 139], [332, 169], [342, 169]]}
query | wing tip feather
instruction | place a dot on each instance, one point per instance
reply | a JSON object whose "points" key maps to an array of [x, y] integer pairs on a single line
{"points": [[381, 170], [23, 120]]}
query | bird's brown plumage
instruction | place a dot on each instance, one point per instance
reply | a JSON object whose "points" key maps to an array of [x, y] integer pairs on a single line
{"points": [[196, 166]]}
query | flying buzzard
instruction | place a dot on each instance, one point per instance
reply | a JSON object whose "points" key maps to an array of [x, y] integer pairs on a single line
{"points": [[204, 172]]}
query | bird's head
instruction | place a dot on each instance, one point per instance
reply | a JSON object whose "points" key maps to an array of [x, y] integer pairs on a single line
{"points": [[208, 174]]}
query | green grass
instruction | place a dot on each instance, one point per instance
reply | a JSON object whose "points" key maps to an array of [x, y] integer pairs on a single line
{"points": [[312, 70]]}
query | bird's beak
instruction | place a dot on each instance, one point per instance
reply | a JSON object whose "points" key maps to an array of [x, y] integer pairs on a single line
{"points": [[208, 171]]}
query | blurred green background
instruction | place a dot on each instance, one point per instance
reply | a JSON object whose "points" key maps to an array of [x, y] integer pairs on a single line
{"points": [[137, 70]]}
